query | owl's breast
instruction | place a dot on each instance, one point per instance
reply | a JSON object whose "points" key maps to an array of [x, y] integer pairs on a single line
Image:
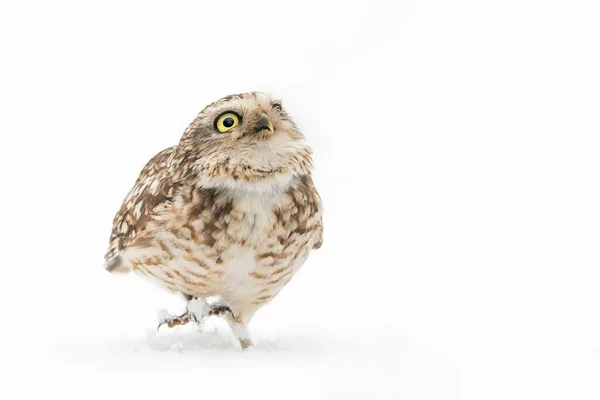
{"points": [[252, 276], [257, 249], [244, 250], [257, 255]]}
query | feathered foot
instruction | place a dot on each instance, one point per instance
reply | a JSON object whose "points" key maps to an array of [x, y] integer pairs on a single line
{"points": [[173, 320], [197, 311]]}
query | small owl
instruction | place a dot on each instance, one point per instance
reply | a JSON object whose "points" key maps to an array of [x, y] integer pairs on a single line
{"points": [[226, 217]]}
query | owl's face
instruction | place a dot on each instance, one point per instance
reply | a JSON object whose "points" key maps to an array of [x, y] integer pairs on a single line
{"points": [[244, 138]]}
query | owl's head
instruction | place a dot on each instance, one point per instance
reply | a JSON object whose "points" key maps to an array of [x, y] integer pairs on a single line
{"points": [[244, 141]]}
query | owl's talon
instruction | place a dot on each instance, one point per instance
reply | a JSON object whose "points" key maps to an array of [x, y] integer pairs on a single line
{"points": [[202, 308], [172, 320], [219, 309], [197, 311]]}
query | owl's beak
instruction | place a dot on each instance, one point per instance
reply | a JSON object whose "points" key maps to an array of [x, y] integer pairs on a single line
{"points": [[264, 126]]}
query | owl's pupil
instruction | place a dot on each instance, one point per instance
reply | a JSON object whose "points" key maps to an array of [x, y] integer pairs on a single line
{"points": [[228, 122]]}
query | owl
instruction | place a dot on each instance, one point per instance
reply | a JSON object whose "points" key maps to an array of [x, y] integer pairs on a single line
{"points": [[227, 216]]}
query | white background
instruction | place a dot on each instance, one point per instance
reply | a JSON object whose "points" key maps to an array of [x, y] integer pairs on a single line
{"points": [[456, 151]]}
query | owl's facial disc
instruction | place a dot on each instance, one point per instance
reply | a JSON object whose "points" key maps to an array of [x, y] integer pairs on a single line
{"points": [[245, 138]]}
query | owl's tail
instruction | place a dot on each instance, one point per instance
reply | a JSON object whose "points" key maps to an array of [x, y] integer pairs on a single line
{"points": [[116, 265]]}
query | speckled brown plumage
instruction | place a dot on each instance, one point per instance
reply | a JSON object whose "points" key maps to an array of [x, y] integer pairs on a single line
{"points": [[231, 214]]}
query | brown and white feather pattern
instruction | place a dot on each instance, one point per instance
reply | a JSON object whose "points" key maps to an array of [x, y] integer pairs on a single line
{"points": [[202, 223]]}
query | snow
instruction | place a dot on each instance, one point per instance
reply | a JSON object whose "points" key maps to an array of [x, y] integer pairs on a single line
{"points": [[456, 151], [198, 307]]}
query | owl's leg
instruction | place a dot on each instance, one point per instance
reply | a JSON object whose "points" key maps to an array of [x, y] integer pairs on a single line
{"points": [[214, 307], [238, 326], [197, 310], [241, 333]]}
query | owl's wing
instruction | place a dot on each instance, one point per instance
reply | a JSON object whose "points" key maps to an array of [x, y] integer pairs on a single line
{"points": [[318, 224], [307, 199], [153, 191], [319, 241]]}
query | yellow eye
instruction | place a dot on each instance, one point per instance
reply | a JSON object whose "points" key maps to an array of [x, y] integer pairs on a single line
{"points": [[226, 122]]}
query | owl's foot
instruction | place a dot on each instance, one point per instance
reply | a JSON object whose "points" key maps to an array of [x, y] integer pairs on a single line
{"points": [[220, 310], [197, 311], [164, 318]]}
